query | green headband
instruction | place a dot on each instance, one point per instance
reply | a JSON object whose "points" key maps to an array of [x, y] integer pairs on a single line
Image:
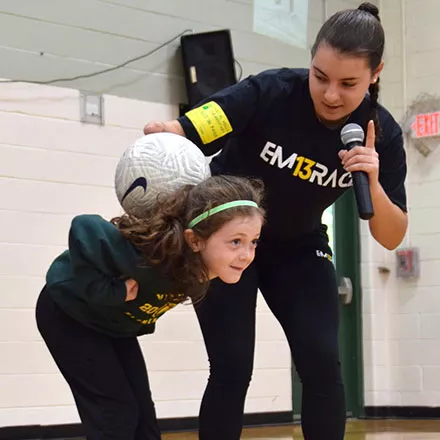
{"points": [[220, 208]]}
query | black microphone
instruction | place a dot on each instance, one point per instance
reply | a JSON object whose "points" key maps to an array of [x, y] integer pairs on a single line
{"points": [[352, 135]]}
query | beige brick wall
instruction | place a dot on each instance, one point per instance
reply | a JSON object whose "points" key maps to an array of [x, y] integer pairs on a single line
{"points": [[402, 318]]}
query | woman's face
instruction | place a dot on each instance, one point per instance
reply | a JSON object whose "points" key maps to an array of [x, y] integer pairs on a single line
{"points": [[338, 82]]}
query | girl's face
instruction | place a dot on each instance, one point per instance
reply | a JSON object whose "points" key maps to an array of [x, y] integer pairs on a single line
{"points": [[230, 250], [338, 83]]}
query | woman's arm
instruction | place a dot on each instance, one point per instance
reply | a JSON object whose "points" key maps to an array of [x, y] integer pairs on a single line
{"points": [[389, 223], [224, 114]]}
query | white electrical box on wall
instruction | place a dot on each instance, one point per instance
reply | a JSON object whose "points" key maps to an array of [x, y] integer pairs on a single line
{"points": [[92, 108]]}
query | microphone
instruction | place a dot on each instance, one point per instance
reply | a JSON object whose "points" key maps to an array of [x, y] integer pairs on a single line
{"points": [[352, 135]]}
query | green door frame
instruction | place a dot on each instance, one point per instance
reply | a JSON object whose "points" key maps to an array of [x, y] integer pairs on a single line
{"points": [[348, 264], [347, 261]]}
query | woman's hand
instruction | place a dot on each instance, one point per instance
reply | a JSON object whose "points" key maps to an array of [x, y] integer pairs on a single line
{"points": [[389, 223], [132, 289], [164, 127], [363, 158]]}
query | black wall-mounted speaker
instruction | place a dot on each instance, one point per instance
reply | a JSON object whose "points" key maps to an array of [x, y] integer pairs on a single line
{"points": [[208, 63]]}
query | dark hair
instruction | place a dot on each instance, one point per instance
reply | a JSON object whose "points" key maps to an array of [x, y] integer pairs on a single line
{"points": [[357, 32], [160, 234]]}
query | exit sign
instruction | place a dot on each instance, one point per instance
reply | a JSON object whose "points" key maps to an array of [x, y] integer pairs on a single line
{"points": [[426, 125]]}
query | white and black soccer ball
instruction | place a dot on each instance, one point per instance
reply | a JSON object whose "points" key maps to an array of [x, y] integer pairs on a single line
{"points": [[157, 163]]}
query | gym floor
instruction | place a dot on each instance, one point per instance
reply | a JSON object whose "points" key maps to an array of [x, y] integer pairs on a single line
{"points": [[356, 430]]}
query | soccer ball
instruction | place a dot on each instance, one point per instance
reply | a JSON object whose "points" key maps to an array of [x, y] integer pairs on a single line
{"points": [[157, 163]]}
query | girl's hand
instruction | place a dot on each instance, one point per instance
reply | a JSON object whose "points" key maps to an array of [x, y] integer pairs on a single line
{"points": [[132, 289]]}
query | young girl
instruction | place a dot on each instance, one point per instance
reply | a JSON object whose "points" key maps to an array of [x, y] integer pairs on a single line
{"points": [[283, 126], [119, 277]]}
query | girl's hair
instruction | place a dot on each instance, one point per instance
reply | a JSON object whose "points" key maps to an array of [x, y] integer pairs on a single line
{"points": [[357, 32], [160, 234]]}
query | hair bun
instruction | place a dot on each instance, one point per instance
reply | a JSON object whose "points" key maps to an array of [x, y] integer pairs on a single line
{"points": [[370, 8]]}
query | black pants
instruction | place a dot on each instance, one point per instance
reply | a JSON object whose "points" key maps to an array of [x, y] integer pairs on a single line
{"points": [[107, 376], [299, 286]]}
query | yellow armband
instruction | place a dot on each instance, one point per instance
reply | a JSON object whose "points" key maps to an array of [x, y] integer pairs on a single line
{"points": [[210, 122]]}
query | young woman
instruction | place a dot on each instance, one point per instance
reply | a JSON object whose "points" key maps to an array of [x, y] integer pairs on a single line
{"points": [[283, 126], [117, 278]]}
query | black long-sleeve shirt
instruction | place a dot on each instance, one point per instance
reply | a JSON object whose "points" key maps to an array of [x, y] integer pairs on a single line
{"points": [[266, 127]]}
